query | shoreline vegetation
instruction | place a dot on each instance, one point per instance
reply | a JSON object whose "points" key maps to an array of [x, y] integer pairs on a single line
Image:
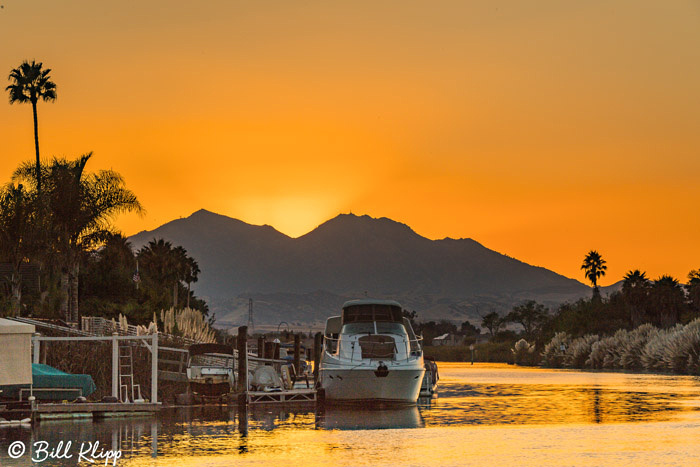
{"points": [[646, 326]]}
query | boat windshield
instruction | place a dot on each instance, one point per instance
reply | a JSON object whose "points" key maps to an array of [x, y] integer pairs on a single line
{"points": [[358, 328], [391, 328], [369, 328]]}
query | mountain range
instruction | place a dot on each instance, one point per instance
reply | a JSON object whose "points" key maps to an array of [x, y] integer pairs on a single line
{"points": [[303, 280]]}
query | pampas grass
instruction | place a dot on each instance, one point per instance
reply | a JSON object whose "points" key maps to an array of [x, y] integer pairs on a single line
{"points": [[523, 352], [579, 350], [552, 355], [674, 350], [188, 323]]}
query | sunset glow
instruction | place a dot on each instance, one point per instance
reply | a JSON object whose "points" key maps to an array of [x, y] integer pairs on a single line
{"points": [[542, 130]]}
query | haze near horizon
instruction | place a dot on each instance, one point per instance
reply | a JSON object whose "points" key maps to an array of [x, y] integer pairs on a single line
{"points": [[541, 130]]}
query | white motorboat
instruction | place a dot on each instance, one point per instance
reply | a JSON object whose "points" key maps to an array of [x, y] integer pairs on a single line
{"points": [[371, 354]]}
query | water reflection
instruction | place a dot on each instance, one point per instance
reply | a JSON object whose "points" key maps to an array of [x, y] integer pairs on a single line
{"points": [[350, 418], [488, 397], [537, 396]]}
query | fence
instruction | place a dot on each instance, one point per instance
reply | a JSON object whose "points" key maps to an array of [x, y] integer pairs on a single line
{"points": [[98, 326]]}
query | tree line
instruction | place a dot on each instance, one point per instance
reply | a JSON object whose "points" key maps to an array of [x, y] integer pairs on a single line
{"points": [[663, 303], [59, 250]]}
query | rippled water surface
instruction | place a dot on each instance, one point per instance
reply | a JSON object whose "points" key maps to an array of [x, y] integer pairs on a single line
{"points": [[485, 415]]}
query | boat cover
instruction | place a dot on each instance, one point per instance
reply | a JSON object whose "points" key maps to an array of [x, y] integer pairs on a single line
{"points": [[265, 377], [48, 377]]}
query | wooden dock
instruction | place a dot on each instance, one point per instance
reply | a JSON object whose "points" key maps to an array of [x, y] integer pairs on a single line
{"points": [[282, 397], [93, 410]]}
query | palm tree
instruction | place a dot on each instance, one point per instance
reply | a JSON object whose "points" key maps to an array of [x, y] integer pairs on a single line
{"points": [[191, 275], [29, 84], [18, 236], [667, 300], [161, 265], [635, 290], [693, 289], [81, 206], [594, 267]]}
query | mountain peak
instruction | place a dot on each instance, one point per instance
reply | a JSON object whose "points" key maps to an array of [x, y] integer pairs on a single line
{"points": [[362, 224], [203, 212]]}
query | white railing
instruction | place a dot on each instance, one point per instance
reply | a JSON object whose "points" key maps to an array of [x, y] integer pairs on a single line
{"points": [[334, 346]]}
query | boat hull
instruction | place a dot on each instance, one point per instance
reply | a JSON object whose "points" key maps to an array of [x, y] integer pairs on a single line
{"points": [[400, 385]]}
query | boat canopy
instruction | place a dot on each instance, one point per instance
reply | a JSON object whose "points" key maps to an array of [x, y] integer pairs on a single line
{"points": [[367, 311]]}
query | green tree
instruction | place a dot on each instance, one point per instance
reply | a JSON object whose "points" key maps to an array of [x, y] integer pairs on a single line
{"points": [[493, 322], [635, 292], [530, 315], [18, 236], [81, 206], [468, 329], [31, 83], [594, 268]]}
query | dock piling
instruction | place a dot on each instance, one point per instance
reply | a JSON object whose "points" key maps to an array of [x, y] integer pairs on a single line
{"points": [[318, 342], [261, 347], [154, 369], [297, 355], [115, 366], [242, 360], [269, 350]]}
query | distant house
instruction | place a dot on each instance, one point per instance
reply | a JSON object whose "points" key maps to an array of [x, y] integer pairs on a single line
{"points": [[447, 339]]}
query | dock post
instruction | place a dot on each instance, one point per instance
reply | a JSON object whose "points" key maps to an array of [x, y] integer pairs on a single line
{"points": [[154, 369], [269, 350], [297, 354], [318, 342], [37, 346], [261, 347], [242, 361], [276, 352], [115, 365]]}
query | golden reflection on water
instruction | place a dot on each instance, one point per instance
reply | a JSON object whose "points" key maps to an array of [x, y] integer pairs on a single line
{"points": [[485, 415], [501, 394]]}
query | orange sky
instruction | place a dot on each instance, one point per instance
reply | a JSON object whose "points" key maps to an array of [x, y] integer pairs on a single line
{"points": [[541, 129]]}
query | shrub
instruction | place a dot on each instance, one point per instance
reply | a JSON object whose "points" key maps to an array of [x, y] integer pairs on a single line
{"points": [[579, 350], [523, 353], [553, 355]]}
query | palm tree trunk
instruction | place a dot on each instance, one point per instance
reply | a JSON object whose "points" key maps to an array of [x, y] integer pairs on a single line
{"points": [[36, 147], [64, 297], [16, 281], [175, 295], [188, 295], [74, 293]]}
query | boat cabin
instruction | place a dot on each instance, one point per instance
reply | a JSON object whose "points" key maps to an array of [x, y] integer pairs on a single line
{"points": [[371, 329]]}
